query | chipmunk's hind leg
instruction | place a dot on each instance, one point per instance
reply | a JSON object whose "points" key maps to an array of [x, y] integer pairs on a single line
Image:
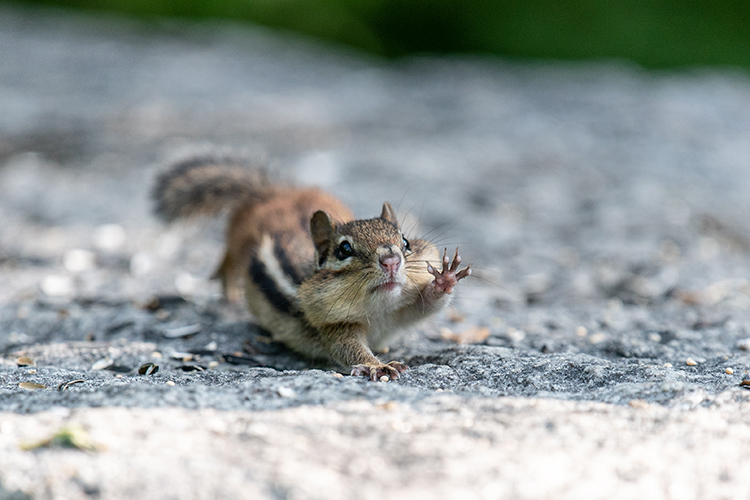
{"points": [[230, 277]]}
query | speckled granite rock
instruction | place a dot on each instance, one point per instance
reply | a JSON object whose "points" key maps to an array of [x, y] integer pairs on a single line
{"points": [[604, 209]]}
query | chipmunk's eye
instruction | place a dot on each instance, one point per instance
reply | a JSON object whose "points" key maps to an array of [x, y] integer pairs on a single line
{"points": [[407, 247], [344, 250]]}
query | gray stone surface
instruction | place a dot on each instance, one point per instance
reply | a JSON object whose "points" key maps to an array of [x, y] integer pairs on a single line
{"points": [[598, 351]]}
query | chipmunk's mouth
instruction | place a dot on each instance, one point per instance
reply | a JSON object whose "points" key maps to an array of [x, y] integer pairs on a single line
{"points": [[388, 286]]}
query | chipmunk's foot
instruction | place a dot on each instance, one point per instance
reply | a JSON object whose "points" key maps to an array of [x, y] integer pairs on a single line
{"points": [[448, 277], [392, 370]]}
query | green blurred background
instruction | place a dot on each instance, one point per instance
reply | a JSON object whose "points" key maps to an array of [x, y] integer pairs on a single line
{"points": [[653, 33]]}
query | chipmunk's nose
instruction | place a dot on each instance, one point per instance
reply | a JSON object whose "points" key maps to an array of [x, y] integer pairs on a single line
{"points": [[390, 263]]}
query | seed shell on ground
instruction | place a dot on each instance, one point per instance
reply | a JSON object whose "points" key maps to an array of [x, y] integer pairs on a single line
{"points": [[148, 369], [31, 386]]}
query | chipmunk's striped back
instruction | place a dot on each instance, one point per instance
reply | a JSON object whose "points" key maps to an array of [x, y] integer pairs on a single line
{"points": [[268, 234]]}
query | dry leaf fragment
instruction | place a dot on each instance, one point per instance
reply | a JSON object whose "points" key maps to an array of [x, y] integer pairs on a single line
{"points": [[454, 316], [67, 437], [473, 335]]}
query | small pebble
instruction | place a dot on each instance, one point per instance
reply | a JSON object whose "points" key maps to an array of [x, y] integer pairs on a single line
{"points": [[597, 338], [170, 383], [515, 334], [109, 237], [141, 264], [729, 371], [286, 392], [213, 364], [57, 286], [654, 337], [186, 283], [690, 362], [385, 378], [744, 344], [77, 260], [338, 375], [582, 331], [667, 365], [638, 404]]}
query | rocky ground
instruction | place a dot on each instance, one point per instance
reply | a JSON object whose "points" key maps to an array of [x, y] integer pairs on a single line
{"points": [[598, 352]]}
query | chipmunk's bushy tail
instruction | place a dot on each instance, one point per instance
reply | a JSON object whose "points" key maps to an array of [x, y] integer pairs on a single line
{"points": [[206, 185]]}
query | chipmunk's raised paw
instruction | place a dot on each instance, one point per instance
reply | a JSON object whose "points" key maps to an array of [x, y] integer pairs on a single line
{"points": [[392, 370], [449, 276]]}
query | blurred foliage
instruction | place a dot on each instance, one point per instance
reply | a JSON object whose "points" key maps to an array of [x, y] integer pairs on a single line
{"points": [[654, 33]]}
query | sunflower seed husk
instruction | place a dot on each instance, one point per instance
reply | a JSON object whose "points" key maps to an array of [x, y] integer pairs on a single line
{"points": [[102, 364], [191, 368], [148, 369], [31, 386], [25, 361], [65, 385], [183, 331]]}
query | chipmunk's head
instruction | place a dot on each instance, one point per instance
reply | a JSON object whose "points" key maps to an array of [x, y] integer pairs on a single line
{"points": [[363, 269], [374, 252]]}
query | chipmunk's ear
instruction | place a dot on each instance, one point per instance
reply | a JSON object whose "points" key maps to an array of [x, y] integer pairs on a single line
{"points": [[389, 214], [321, 230]]}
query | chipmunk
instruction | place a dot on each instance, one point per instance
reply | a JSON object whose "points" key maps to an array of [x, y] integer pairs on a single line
{"points": [[322, 282]]}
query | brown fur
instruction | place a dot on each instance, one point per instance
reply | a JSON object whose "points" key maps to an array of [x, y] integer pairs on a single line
{"points": [[284, 247], [285, 213], [207, 185]]}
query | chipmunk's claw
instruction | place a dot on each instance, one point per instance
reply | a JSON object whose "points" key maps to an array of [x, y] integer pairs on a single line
{"points": [[392, 370]]}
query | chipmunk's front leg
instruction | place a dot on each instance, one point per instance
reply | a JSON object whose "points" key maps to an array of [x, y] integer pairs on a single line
{"points": [[347, 345], [437, 293]]}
